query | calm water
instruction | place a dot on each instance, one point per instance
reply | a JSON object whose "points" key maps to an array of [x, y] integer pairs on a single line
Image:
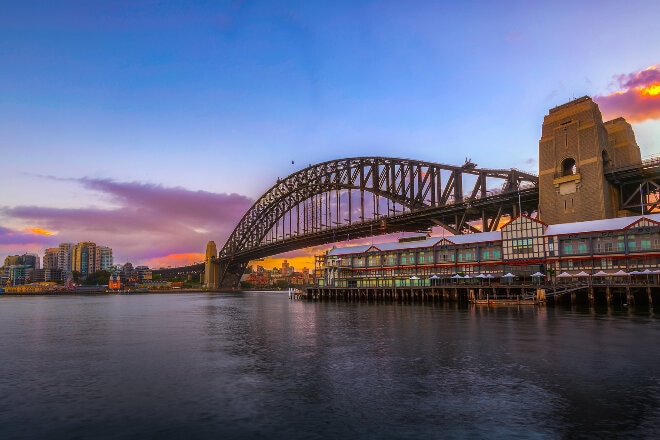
{"points": [[257, 365]]}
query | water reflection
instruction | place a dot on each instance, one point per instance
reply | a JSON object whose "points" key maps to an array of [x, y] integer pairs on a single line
{"points": [[258, 365]]}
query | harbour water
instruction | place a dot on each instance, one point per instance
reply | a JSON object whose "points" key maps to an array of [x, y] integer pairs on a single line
{"points": [[258, 365]]}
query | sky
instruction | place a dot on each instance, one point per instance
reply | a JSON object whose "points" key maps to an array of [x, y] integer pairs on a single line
{"points": [[152, 126]]}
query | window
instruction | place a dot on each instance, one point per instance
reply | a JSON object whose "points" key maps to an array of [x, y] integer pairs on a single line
{"points": [[568, 249], [522, 244], [568, 167], [582, 247]]}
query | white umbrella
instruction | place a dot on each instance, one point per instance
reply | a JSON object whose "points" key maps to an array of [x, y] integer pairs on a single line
{"points": [[434, 277], [538, 274], [582, 274], [635, 272], [414, 277], [490, 275], [600, 273], [466, 276], [457, 276], [620, 273], [509, 275], [564, 275], [647, 272], [481, 276]]}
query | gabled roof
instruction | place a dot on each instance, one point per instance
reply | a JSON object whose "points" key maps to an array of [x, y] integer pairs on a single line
{"points": [[609, 224], [522, 216]]}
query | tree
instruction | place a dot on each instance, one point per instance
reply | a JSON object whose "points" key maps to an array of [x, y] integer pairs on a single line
{"points": [[76, 276], [99, 277]]}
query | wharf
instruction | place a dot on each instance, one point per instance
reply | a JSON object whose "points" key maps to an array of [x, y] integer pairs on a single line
{"points": [[496, 294]]}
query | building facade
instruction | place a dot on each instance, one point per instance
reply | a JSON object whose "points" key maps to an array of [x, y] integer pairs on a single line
{"points": [[523, 247]]}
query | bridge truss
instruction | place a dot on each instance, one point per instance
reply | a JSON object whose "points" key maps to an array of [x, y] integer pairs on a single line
{"points": [[639, 186], [351, 198]]}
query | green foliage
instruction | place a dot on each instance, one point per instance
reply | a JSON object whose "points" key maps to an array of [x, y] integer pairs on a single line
{"points": [[76, 276], [99, 277], [281, 284], [246, 285], [157, 276]]}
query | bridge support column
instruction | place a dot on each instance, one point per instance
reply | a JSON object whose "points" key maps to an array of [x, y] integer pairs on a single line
{"points": [[649, 294]]}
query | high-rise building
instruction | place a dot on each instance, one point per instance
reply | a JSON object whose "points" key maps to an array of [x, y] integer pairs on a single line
{"points": [[28, 260], [64, 257], [102, 258], [51, 258], [83, 257]]}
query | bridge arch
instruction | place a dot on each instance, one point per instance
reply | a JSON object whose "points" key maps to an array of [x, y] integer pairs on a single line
{"points": [[353, 197]]}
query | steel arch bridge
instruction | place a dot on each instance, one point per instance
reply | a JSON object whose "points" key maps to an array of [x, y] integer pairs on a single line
{"points": [[351, 198]]}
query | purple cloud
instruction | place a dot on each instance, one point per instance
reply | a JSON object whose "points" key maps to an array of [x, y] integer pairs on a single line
{"points": [[150, 220]]}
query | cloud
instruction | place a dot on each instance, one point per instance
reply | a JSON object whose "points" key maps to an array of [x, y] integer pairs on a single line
{"points": [[26, 237], [638, 97], [147, 222]]}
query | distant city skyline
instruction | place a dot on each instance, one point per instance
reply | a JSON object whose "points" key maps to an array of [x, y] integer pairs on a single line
{"points": [[153, 127]]}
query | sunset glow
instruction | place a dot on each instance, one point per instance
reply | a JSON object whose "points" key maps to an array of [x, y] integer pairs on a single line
{"points": [[176, 260], [653, 90], [638, 97], [39, 231]]}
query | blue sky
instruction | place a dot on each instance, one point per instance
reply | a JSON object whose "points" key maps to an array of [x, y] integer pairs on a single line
{"points": [[103, 102]]}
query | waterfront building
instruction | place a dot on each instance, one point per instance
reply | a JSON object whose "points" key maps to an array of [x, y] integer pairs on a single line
{"points": [[144, 274], [522, 247], [51, 258], [102, 258], [29, 260], [83, 257], [64, 257], [48, 275]]}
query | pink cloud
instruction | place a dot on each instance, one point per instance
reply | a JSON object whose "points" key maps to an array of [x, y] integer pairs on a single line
{"points": [[150, 221], [638, 99]]}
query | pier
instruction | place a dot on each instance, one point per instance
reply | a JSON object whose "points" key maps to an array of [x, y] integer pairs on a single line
{"points": [[610, 294]]}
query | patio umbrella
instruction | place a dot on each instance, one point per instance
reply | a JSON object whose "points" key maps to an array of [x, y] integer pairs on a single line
{"points": [[457, 276], [414, 277], [582, 274], [620, 273], [600, 273], [481, 276], [434, 277], [509, 275], [538, 274], [647, 271], [564, 275]]}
